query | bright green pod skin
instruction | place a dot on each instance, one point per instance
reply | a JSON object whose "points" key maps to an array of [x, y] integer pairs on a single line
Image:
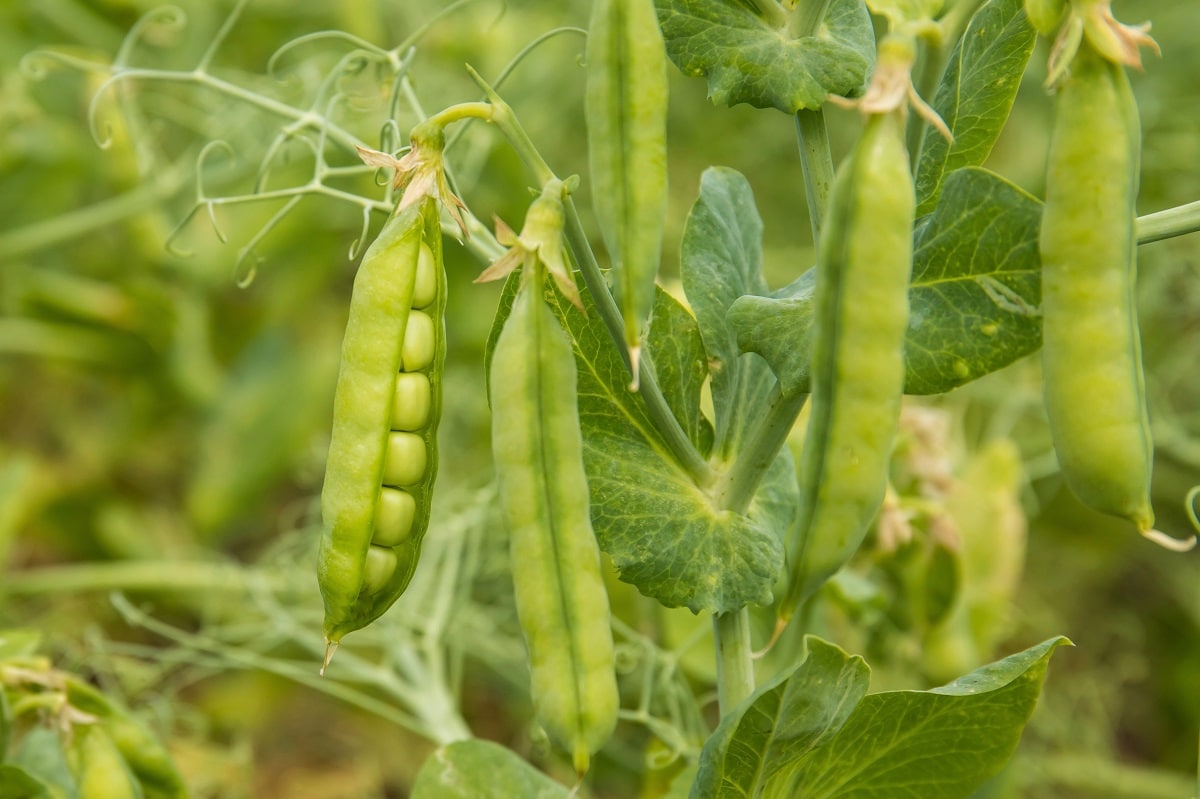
{"points": [[100, 770], [861, 313], [626, 112], [1091, 348], [358, 464], [562, 604]]}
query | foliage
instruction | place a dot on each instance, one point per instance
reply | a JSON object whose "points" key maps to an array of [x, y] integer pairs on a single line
{"points": [[170, 311]]}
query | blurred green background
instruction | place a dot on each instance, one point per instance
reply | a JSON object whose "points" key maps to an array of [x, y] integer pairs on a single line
{"points": [[162, 429]]}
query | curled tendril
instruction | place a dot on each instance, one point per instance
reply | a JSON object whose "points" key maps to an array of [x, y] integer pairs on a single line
{"points": [[420, 32], [178, 232], [244, 277], [166, 18], [202, 160], [657, 759], [358, 245], [35, 66], [389, 136], [1190, 505], [342, 36], [284, 137]]}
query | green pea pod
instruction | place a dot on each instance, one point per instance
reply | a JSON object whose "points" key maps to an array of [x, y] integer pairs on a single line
{"points": [[100, 770], [139, 748], [562, 603], [1091, 352], [626, 110], [383, 450], [860, 315]]}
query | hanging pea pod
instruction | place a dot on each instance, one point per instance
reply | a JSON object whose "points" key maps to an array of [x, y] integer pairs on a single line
{"points": [[100, 771], [383, 452], [860, 316], [562, 604], [626, 109], [1091, 352]]}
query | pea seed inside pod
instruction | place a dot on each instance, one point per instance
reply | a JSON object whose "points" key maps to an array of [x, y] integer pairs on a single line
{"points": [[378, 568], [425, 290], [405, 461], [419, 342], [411, 401], [394, 517]]}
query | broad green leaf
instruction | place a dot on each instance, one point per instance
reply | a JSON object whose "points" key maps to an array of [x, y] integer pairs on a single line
{"points": [[974, 299], [476, 769], [17, 783], [746, 59], [680, 365], [721, 260], [663, 533], [938, 744], [784, 721], [975, 95], [40, 754]]}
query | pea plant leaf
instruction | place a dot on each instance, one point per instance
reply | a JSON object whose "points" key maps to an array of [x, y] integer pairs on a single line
{"points": [[477, 769], [679, 361], [748, 59], [974, 299], [663, 533], [814, 732], [721, 260], [938, 744], [783, 721], [975, 95], [17, 783]]}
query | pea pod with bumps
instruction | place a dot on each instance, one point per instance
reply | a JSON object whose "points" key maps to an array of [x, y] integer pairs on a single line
{"points": [[1091, 353], [382, 461], [857, 362], [562, 604]]}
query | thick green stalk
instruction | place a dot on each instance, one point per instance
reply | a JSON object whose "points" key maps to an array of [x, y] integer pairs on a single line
{"points": [[735, 661], [1169, 223]]}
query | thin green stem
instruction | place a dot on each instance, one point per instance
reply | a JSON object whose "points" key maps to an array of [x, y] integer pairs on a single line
{"points": [[735, 662], [742, 480], [807, 20], [456, 113], [142, 575], [1167, 224], [816, 159]]}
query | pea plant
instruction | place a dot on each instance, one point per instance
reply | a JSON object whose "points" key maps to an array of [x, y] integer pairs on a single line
{"points": [[693, 481]]}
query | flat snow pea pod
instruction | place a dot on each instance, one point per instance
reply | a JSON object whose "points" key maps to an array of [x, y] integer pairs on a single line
{"points": [[384, 431], [626, 110], [857, 362], [1091, 352], [562, 604]]}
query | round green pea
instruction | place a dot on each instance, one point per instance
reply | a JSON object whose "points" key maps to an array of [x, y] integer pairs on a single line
{"points": [[420, 342], [405, 461], [378, 568], [393, 517], [411, 401], [425, 289]]}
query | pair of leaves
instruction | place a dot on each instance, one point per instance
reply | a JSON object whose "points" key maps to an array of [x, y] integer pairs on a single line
{"points": [[815, 732]]}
